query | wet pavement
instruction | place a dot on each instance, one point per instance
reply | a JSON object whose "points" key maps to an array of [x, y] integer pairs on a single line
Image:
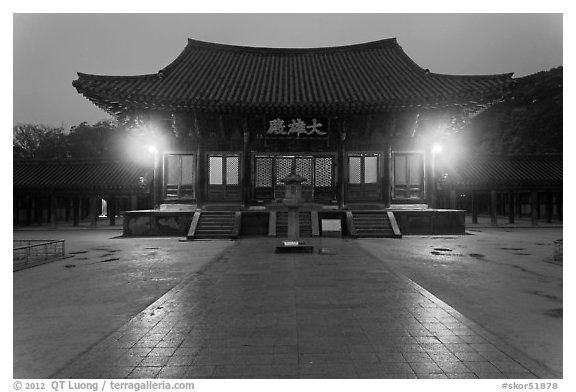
{"points": [[64, 307], [506, 280], [339, 313]]}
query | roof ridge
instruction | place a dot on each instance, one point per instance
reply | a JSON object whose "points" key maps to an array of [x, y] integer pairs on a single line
{"points": [[110, 77], [292, 50], [505, 75]]}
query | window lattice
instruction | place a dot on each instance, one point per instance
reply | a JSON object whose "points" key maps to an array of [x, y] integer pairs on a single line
{"points": [[370, 170], [283, 168], [263, 172], [215, 170], [304, 168], [172, 169], [400, 170], [187, 165], [415, 171], [323, 172], [232, 172], [354, 170]]}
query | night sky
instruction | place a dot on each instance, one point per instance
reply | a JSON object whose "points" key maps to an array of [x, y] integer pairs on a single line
{"points": [[49, 49]]}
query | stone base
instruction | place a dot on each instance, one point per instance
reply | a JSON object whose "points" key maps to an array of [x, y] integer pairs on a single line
{"points": [[294, 247]]}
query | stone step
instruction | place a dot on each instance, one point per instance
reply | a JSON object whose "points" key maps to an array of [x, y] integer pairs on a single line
{"points": [[215, 224], [372, 224]]}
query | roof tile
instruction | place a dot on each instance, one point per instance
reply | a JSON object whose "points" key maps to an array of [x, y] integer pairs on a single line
{"points": [[79, 175], [208, 76], [507, 171]]}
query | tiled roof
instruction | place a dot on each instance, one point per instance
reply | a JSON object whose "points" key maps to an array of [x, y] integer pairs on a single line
{"points": [[525, 171], [373, 76], [79, 175]]}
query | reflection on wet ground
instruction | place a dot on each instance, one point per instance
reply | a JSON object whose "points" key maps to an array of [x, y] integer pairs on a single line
{"points": [[253, 313]]}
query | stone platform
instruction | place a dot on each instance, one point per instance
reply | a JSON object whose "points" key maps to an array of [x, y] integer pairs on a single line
{"points": [[411, 220]]}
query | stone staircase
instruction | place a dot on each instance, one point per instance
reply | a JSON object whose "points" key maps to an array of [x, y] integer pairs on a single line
{"points": [[305, 224], [215, 225], [372, 224]]}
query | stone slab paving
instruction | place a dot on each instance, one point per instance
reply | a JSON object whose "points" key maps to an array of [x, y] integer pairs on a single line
{"points": [[341, 313]]}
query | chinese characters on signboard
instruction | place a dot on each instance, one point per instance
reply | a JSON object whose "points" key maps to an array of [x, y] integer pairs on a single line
{"points": [[297, 127]]}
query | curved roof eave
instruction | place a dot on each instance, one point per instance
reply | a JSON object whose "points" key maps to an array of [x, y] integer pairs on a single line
{"points": [[166, 87]]}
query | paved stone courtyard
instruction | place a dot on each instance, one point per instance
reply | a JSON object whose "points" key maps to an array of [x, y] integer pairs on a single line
{"points": [[337, 313]]}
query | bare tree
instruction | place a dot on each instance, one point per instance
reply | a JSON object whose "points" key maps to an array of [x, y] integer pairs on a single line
{"points": [[38, 141]]}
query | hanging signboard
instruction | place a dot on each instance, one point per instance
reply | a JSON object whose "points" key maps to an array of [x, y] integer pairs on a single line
{"points": [[297, 128]]}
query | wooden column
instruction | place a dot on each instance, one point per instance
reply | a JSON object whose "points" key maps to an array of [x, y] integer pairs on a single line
{"points": [[53, 210], [85, 207], [387, 173], [549, 204], [38, 210], [246, 170], [29, 207], [511, 207], [493, 207], [474, 207], [112, 210], [340, 165], [67, 209], [93, 211], [453, 200], [133, 202], [534, 207], [200, 177], [76, 210], [15, 210]]}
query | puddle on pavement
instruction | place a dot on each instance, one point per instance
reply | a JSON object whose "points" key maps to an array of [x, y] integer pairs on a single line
{"points": [[541, 294], [512, 248], [108, 260], [556, 313], [522, 254], [78, 252], [477, 255], [152, 248], [70, 266], [326, 251], [442, 252]]}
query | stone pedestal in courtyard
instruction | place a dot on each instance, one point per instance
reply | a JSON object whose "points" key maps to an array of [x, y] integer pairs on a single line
{"points": [[293, 201]]}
